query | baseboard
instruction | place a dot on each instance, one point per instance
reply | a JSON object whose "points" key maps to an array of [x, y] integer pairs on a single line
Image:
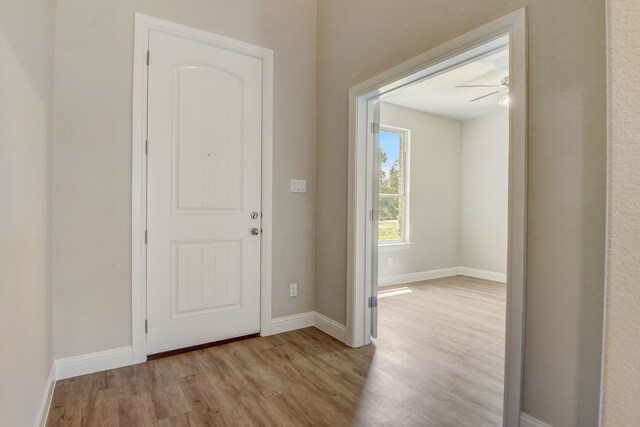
{"points": [[308, 319], [483, 274], [529, 421], [291, 323], [401, 279], [47, 395], [330, 327], [93, 362]]}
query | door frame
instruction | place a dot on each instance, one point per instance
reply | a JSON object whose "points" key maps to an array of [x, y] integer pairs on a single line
{"points": [[143, 24], [359, 255]]}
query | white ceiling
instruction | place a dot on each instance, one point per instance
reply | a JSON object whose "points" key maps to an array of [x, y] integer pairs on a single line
{"points": [[439, 95]]}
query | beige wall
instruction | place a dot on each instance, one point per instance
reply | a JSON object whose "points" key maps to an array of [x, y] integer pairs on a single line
{"points": [[435, 192], [566, 171], [26, 65], [92, 154], [621, 385], [484, 192]]}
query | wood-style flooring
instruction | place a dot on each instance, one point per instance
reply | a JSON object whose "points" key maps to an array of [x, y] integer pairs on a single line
{"points": [[438, 361]]}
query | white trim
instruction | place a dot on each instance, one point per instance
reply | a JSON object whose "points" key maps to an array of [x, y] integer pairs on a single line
{"points": [[93, 362], [359, 256], [306, 320], [394, 247], [47, 396], [330, 327], [483, 274], [401, 279], [293, 322], [143, 24], [528, 421]]}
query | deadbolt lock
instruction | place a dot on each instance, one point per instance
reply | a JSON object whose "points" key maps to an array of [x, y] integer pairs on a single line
{"points": [[254, 215]]}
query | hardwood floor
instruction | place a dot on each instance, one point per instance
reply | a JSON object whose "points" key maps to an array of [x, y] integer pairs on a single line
{"points": [[438, 361]]}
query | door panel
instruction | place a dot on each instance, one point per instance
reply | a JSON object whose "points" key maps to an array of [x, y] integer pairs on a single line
{"points": [[208, 170], [206, 277], [204, 181]]}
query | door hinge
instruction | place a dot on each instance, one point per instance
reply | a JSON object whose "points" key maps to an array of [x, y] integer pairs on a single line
{"points": [[375, 128], [373, 214], [146, 326], [148, 57], [146, 237], [146, 147], [373, 302]]}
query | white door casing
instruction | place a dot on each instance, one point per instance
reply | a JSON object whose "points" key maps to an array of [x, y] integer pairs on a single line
{"points": [[359, 251], [204, 103]]}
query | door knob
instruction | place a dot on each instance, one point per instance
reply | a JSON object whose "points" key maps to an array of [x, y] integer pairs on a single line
{"points": [[254, 231]]}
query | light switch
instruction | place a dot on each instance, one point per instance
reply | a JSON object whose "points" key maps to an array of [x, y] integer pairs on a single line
{"points": [[298, 185]]}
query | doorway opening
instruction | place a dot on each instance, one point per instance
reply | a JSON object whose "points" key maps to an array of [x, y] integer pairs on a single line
{"points": [[441, 210], [438, 192]]}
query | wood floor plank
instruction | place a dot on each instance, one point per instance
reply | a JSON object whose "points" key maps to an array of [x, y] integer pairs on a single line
{"points": [[438, 361]]}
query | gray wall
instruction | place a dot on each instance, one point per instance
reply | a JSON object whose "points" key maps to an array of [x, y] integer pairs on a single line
{"points": [[458, 195], [435, 192], [566, 171], [92, 155], [484, 192], [26, 65], [621, 385]]}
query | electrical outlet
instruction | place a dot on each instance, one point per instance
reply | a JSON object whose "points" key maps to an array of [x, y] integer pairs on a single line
{"points": [[390, 261], [293, 290]]}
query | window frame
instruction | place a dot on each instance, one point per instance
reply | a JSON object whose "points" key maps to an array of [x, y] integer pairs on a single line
{"points": [[405, 142]]}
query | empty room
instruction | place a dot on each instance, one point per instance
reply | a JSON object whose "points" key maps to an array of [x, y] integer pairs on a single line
{"points": [[319, 213]]}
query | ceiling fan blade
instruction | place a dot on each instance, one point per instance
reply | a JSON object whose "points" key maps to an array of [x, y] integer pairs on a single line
{"points": [[479, 86], [484, 96]]}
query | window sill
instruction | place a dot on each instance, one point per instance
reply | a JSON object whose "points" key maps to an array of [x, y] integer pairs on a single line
{"points": [[393, 247]]}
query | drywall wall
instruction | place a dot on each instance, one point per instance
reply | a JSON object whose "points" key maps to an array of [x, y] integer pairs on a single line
{"points": [[459, 193], [92, 155], [26, 88], [566, 171], [484, 193], [435, 192], [621, 381]]}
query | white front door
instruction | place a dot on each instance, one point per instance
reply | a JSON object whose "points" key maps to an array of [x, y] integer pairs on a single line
{"points": [[203, 193]]}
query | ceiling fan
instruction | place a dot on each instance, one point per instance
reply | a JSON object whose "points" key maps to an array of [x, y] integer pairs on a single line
{"points": [[503, 87]]}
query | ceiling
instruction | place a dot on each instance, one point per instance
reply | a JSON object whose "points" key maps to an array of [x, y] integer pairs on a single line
{"points": [[439, 94]]}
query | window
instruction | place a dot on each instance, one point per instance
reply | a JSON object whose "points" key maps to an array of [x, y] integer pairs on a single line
{"points": [[393, 170]]}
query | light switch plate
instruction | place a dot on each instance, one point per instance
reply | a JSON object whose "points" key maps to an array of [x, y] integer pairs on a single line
{"points": [[298, 185]]}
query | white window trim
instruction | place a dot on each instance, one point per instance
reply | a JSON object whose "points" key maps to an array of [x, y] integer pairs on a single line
{"points": [[394, 246], [405, 243]]}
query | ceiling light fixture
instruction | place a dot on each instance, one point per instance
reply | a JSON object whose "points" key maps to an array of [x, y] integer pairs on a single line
{"points": [[504, 101]]}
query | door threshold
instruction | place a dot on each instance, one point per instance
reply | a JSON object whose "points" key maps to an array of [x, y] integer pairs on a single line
{"points": [[199, 347]]}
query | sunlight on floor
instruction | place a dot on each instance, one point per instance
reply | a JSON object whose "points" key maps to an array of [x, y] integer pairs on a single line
{"points": [[394, 292]]}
